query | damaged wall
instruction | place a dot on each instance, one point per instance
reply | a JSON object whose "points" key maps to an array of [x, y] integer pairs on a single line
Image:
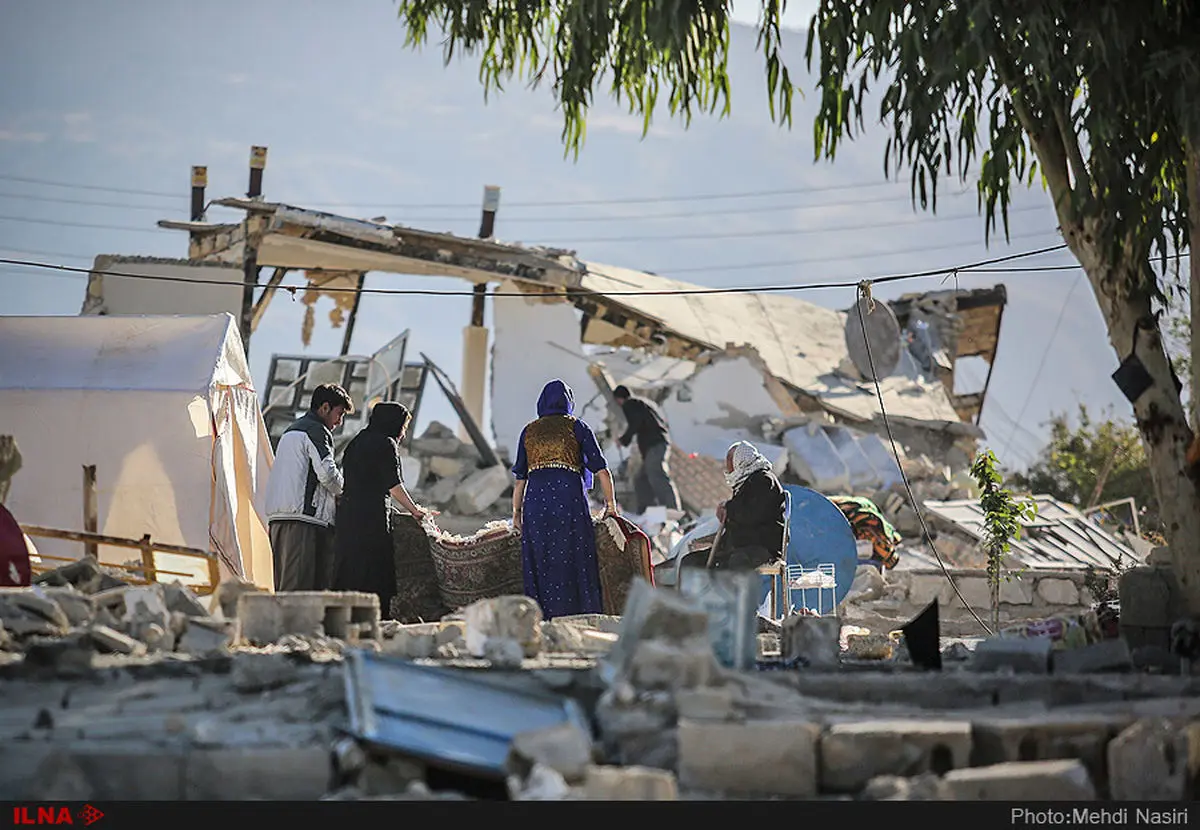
{"points": [[534, 342]]}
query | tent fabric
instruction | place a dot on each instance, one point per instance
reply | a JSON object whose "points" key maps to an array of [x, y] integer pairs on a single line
{"points": [[165, 408]]}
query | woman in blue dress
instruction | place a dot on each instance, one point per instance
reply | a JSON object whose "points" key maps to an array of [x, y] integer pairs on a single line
{"points": [[557, 458]]}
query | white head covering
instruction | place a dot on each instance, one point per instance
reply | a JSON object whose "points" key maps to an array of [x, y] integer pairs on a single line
{"points": [[746, 460]]}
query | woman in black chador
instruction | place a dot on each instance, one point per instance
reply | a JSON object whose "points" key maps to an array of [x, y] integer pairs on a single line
{"points": [[371, 467]]}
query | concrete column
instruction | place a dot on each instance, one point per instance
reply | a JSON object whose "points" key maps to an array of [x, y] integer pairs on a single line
{"points": [[474, 376]]}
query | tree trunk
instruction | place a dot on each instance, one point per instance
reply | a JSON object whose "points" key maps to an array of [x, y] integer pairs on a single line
{"points": [[1159, 412], [1192, 146]]}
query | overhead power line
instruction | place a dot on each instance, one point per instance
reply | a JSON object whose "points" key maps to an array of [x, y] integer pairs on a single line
{"points": [[566, 291], [62, 224], [626, 200]]}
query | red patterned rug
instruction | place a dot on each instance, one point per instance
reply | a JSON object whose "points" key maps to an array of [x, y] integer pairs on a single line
{"points": [[437, 572]]}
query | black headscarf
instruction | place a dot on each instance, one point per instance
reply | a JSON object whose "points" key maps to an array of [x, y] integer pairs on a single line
{"points": [[389, 418]]}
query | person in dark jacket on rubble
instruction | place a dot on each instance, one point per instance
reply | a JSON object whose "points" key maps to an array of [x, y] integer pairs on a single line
{"points": [[752, 521], [653, 484]]}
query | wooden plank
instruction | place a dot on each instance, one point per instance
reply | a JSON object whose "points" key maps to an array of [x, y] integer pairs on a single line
{"points": [[111, 541]]}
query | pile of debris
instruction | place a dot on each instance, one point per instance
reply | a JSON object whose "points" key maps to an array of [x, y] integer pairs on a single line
{"points": [[313, 697], [452, 480]]}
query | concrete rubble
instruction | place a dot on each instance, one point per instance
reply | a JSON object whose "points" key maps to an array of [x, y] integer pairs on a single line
{"points": [[138, 692]]}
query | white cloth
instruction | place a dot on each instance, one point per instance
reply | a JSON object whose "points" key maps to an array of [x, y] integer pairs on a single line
{"points": [[746, 460]]}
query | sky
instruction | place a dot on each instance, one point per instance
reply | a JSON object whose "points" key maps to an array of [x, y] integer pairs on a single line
{"points": [[115, 101]]}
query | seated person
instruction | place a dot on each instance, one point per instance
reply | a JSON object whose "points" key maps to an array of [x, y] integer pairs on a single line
{"points": [[752, 522]]}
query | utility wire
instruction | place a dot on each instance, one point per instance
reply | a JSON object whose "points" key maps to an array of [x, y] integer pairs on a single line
{"points": [[62, 224], [565, 292], [77, 186], [864, 288], [1045, 356]]}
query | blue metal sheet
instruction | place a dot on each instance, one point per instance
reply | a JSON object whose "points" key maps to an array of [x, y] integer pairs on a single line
{"points": [[445, 716], [820, 535]]}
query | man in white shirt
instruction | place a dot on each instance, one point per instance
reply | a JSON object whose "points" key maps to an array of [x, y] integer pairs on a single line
{"points": [[301, 493]]}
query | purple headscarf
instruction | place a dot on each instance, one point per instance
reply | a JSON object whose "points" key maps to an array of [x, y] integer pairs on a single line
{"points": [[558, 399]]}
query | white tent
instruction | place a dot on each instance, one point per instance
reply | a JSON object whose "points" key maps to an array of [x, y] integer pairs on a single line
{"points": [[165, 409]]}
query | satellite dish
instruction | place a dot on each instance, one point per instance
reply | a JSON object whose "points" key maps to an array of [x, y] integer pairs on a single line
{"points": [[883, 329]]}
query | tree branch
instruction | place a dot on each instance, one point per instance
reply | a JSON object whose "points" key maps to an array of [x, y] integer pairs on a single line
{"points": [[1070, 142]]}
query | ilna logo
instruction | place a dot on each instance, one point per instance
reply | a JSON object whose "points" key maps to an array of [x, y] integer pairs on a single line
{"points": [[85, 816]]}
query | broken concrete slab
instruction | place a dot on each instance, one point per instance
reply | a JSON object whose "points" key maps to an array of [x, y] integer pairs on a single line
{"points": [[710, 703], [1104, 656], [481, 489], [854, 753], [229, 593], [258, 774], [1029, 655], [347, 615], [205, 635], [868, 585], [514, 618], [107, 639], [28, 611], [447, 466], [663, 665], [637, 732], [652, 614], [1065, 780], [629, 784], [730, 600], [260, 672], [755, 758], [813, 640], [564, 748], [78, 607], [1155, 760], [180, 598]]}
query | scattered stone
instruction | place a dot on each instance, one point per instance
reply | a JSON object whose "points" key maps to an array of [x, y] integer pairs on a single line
{"points": [[542, 784], [854, 753], [663, 665], [956, 652], [637, 732], [711, 703], [179, 597], [481, 489], [812, 640], [1023, 655], [229, 593], [205, 635], [85, 575], [629, 784], [71, 655], [515, 618], [753, 758], [438, 439], [925, 787], [1065, 780], [350, 616], [106, 639], [503, 653], [868, 585], [871, 646], [78, 607], [565, 748], [261, 672], [1104, 656], [445, 466], [414, 642], [26, 612], [1154, 760]]}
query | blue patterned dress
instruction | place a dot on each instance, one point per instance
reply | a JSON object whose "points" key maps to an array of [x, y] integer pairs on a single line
{"points": [[558, 542]]}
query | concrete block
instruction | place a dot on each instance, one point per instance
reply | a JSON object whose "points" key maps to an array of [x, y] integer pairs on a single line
{"points": [[629, 784], [774, 757], [25, 613], [481, 489], [662, 665], [125, 772], [1104, 656], [229, 594], [1023, 781], [1150, 597], [205, 635], [1023, 655], [347, 615], [179, 597], [1057, 591], [815, 640], [978, 593], [854, 753], [251, 774], [447, 466], [514, 618], [1155, 760], [652, 614], [564, 748], [110, 640], [1046, 738], [868, 585], [79, 608], [709, 703]]}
